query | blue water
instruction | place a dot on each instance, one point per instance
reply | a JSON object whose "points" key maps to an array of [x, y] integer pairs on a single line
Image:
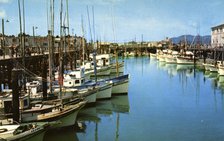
{"points": [[164, 103]]}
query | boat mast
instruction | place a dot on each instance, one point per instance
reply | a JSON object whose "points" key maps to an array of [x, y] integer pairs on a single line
{"points": [[94, 47], [116, 55], [50, 46], [83, 43], [60, 79]]}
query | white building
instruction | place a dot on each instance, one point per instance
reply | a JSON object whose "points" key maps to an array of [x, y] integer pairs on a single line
{"points": [[217, 36]]}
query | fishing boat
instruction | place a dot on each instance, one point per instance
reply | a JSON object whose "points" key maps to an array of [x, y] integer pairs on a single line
{"points": [[23, 132], [210, 67], [152, 55], [221, 70], [120, 67], [105, 89], [120, 84], [187, 59], [65, 114], [76, 80], [6, 101], [171, 58]]}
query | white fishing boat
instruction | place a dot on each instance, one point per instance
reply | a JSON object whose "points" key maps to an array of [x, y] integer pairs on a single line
{"points": [[101, 70], [6, 101], [76, 79], [221, 70], [171, 58], [187, 59], [105, 90], [63, 114], [152, 55], [210, 67], [23, 132], [33, 88], [120, 84], [120, 68]]}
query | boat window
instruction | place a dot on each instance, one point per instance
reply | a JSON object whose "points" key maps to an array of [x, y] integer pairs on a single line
{"points": [[25, 102], [82, 81], [76, 81], [70, 82]]}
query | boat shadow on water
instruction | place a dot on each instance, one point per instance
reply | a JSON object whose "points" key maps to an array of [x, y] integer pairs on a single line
{"points": [[66, 134], [93, 117]]}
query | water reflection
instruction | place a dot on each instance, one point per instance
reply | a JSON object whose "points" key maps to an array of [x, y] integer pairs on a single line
{"points": [[66, 134], [93, 117], [190, 77]]}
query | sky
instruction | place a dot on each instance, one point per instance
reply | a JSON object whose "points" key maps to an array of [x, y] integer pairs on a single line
{"points": [[118, 20]]}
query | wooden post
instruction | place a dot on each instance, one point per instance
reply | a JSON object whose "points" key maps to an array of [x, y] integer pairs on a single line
{"points": [[15, 95], [1, 76], [44, 79], [9, 71]]}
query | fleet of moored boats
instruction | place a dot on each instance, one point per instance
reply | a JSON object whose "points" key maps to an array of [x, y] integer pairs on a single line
{"points": [[62, 106], [188, 58]]}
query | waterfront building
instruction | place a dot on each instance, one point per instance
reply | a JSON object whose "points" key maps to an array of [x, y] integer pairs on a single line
{"points": [[217, 36]]}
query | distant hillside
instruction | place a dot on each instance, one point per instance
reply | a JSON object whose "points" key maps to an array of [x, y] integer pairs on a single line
{"points": [[192, 39]]}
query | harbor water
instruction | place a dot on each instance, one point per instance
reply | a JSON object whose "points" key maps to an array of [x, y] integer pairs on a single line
{"points": [[165, 102]]}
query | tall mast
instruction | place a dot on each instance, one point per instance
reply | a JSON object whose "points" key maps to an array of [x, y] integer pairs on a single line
{"points": [[83, 43], [50, 47], [60, 52], [67, 16], [20, 27], [92, 43]]}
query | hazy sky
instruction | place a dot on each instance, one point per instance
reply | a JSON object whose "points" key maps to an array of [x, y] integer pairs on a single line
{"points": [[130, 19]]}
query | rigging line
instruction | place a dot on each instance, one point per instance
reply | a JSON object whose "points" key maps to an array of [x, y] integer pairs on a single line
{"points": [[27, 71]]}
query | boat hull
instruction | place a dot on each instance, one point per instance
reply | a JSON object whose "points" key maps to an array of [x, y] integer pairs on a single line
{"points": [[104, 92], [184, 61], [30, 135], [120, 87], [63, 116]]}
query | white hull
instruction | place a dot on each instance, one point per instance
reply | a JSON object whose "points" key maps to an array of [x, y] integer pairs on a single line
{"points": [[104, 92], [104, 72], [30, 135], [187, 61], [68, 120], [120, 68], [171, 60], [91, 98], [221, 71], [120, 88], [63, 116], [161, 58], [210, 67], [152, 55]]}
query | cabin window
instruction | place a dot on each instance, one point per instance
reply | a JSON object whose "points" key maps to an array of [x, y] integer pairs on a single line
{"points": [[70, 82], [25, 102], [82, 81], [76, 81]]}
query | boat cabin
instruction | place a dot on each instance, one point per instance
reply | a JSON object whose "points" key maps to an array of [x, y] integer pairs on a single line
{"points": [[74, 78], [6, 101]]}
